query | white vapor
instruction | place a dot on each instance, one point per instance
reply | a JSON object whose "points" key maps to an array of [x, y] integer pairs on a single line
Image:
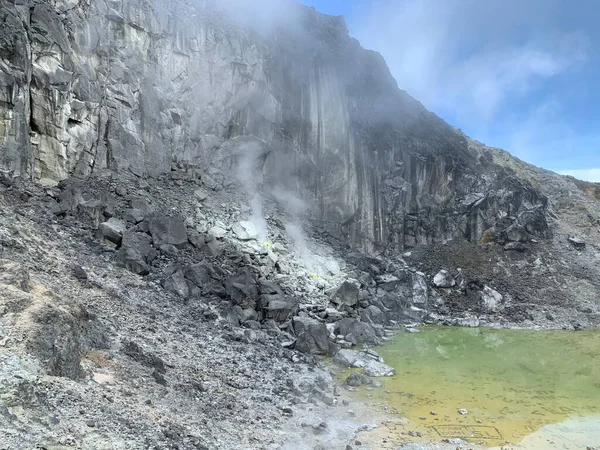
{"points": [[263, 16], [592, 175], [296, 208], [249, 174]]}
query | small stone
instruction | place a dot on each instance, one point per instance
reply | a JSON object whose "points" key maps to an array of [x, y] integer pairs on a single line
{"points": [[515, 246], [463, 412], [358, 379], [279, 248], [200, 195], [91, 423], [160, 379], [433, 413], [134, 216], [79, 273], [121, 191], [577, 242]]}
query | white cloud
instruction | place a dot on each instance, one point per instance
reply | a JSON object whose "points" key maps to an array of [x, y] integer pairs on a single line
{"points": [[542, 128], [592, 175], [470, 58]]}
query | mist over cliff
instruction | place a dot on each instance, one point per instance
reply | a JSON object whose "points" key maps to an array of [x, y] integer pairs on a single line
{"points": [[136, 85]]}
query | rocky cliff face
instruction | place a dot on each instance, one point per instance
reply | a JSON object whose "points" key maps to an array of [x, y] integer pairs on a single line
{"points": [[133, 85]]}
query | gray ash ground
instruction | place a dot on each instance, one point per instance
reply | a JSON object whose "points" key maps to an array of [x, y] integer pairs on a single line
{"points": [[94, 356]]}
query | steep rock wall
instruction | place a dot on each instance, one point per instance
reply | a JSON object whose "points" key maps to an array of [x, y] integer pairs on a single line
{"points": [[133, 85]]}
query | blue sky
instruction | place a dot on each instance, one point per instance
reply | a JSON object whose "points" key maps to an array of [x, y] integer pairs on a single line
{"points": [[519, 75]]}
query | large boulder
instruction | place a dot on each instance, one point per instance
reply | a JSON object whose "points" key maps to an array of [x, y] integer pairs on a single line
{"points": [[53, 335], [177, 284], [358, 379], [378, 369], [443, 279], [112, 230], [281, 309], [245, 230], [346, 295], [389, 282], [373, 314], [242, 288], [347, 357], [420, 295], [205, 279], [312, 336], [136, 252], [167, 230], [369, 361], [490, 300], [517, 233], [358, 332]]}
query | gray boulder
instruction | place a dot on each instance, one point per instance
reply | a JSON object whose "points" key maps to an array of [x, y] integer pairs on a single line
{"points": [[377, 369], [112, 230], [373, 314], [444, 279], [136, 252], [205, 279], [269, 287], [577, 242], [245, 230], [217, 232], [134, 215], [177, 284], [358, 379], [490, 299], [197, 239], [281, 309], [213, 248], [167, 230], [389, 282], [347, 357], [358, 332], [312, 336], [516, 233], [200, 194], [420, 295], [242, 288], [53, 335], [515, 247], [370, 362], [140, 203], [346, 295]]}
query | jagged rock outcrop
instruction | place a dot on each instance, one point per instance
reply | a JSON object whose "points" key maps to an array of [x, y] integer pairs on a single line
{"points": [[132, 85]]}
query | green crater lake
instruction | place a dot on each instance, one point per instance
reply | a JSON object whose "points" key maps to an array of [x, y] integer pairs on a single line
{"points": [[537, 388]]}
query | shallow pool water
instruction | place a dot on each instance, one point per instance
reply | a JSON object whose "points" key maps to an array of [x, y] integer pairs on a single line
{"points": [[513, 384]]}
